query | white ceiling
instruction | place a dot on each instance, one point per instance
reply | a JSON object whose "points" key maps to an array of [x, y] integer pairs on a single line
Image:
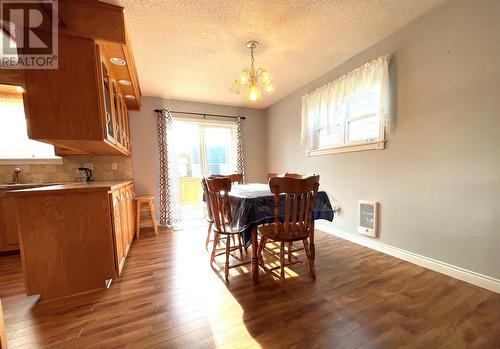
{"points": [[193, 50]]}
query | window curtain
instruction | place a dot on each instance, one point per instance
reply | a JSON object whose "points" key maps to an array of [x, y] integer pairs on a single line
{"points": [[170, 212], [324, 107], [240, 158]]}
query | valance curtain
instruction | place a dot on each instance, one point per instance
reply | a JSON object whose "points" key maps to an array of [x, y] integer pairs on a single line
{"points": [[170, 213], [324, 108]]}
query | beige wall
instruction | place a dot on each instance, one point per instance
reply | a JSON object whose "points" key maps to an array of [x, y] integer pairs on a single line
{"points": [[101, 170], [145, 146], [438, 181]]}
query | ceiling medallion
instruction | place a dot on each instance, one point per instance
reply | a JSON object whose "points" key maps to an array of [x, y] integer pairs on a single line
{"points": [[255, 79]]}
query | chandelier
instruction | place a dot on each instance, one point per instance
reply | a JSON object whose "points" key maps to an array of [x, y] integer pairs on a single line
{"points": [[255, 79]]}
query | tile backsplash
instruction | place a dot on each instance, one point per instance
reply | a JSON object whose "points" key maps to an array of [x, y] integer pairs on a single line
{"points": [[102, 170]]}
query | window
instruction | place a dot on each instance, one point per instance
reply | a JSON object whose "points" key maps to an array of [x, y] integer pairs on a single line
{"points": [[15, 146], [348, 114]]}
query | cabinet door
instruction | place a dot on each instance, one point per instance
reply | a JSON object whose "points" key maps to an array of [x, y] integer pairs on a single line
{"points": [[117, 230], [126, 126], [117, 111], [131, 211], [3, 334], [9, 239], [124, 221], [109, 116]]}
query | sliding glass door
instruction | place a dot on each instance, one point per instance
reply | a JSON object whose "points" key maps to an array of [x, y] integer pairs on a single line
{"points": [[201, 149]]}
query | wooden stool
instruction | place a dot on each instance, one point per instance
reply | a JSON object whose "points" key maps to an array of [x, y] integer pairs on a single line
{"points": [[145, 200]]}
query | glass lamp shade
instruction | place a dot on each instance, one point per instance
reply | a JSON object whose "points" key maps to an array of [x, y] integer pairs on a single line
{"points": [[253, 93], [235, 88], [268, 87], [265, 76], [243, 78]]}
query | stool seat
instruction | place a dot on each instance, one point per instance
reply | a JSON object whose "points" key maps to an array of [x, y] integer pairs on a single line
{"points": [[144, 197], [147, 201]]}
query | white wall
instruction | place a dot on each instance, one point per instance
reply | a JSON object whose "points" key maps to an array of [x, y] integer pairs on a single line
{"points": [[145, 141], [438, 180]]}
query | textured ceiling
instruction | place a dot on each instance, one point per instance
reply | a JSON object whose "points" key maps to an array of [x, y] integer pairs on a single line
{"points": [[193, 50]]}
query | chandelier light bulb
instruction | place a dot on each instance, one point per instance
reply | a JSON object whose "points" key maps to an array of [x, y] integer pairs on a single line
{"points": [[253, 93], [243, 77], [265, 76], [268, 87]]}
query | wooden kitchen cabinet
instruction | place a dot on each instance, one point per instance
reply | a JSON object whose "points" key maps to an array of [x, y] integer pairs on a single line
{"points": [[74, 237], [78, 107], [9, 240], [117, 231], [123, 223], [3, 334]]}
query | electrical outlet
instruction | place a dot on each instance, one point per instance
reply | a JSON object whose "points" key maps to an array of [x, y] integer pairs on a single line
{"points": [[114, 166], [89, 165]]}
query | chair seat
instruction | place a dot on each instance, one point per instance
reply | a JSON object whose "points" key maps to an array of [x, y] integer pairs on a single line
{"points": [[229, 232], [294, 233]]}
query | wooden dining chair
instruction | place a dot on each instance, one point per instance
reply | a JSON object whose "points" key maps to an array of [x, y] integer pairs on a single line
{"points": [[235, 177], [270, 175], [218, 189], [294, 175], [209, 217], [297, 197], [273, 174]]}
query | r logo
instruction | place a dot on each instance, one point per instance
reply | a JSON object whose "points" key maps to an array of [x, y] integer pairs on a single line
{"points": [[29, 38]]}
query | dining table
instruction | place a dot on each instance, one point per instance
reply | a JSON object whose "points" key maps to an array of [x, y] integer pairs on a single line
{"points": [[252, 204]]}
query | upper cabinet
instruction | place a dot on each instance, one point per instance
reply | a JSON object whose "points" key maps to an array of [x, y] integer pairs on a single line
{"points": [[82, 107]]}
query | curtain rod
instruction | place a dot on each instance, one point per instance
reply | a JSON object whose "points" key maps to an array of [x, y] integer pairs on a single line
{"points": [[203, 114]]}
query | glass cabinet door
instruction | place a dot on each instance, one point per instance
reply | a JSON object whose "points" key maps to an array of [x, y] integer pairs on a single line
{"points": [[125, 123], [117, 109], [108, 113]]}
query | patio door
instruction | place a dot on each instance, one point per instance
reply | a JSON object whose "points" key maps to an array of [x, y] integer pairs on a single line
{"points": [[201, 149]]}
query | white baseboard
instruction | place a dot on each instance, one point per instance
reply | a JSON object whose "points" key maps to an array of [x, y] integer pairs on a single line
{"points": [[469, 276]]}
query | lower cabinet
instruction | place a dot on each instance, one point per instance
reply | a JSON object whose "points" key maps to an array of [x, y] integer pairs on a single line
{"points": [[3, 335], [122, 209], [74, 237], [9, 241]]}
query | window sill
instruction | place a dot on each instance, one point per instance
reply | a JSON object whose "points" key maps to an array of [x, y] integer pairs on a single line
{"points": [[378, 145], [51, 161]]}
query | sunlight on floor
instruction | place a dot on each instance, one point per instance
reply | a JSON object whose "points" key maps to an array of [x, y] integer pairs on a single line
{"points": [[204, 285]]}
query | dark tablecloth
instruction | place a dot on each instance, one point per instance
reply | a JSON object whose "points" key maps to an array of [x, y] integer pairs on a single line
{"points": [[253, 204]]}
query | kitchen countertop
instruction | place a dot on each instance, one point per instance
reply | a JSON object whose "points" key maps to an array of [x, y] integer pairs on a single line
{"points": [[12, 186], [71, 187]]}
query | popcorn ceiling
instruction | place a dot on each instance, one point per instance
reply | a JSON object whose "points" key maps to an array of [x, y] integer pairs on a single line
{"points": [[193, 50]]}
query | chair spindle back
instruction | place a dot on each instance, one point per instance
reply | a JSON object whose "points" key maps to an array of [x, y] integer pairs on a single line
{"points": [[218, 198], [299, 196], [210, 216]]}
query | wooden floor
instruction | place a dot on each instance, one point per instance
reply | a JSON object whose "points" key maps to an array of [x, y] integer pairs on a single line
{"points": [[168, 297]]}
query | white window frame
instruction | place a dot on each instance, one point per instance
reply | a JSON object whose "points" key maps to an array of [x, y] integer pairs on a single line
{"points": [[353, 146]]}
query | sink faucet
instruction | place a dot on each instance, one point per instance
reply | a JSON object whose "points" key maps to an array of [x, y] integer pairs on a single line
{"points": [[15, 175]]}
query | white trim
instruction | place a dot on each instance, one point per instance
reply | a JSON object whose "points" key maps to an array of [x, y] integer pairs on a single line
{"points": [[469, 276], [34, 161], [377, 145]]}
